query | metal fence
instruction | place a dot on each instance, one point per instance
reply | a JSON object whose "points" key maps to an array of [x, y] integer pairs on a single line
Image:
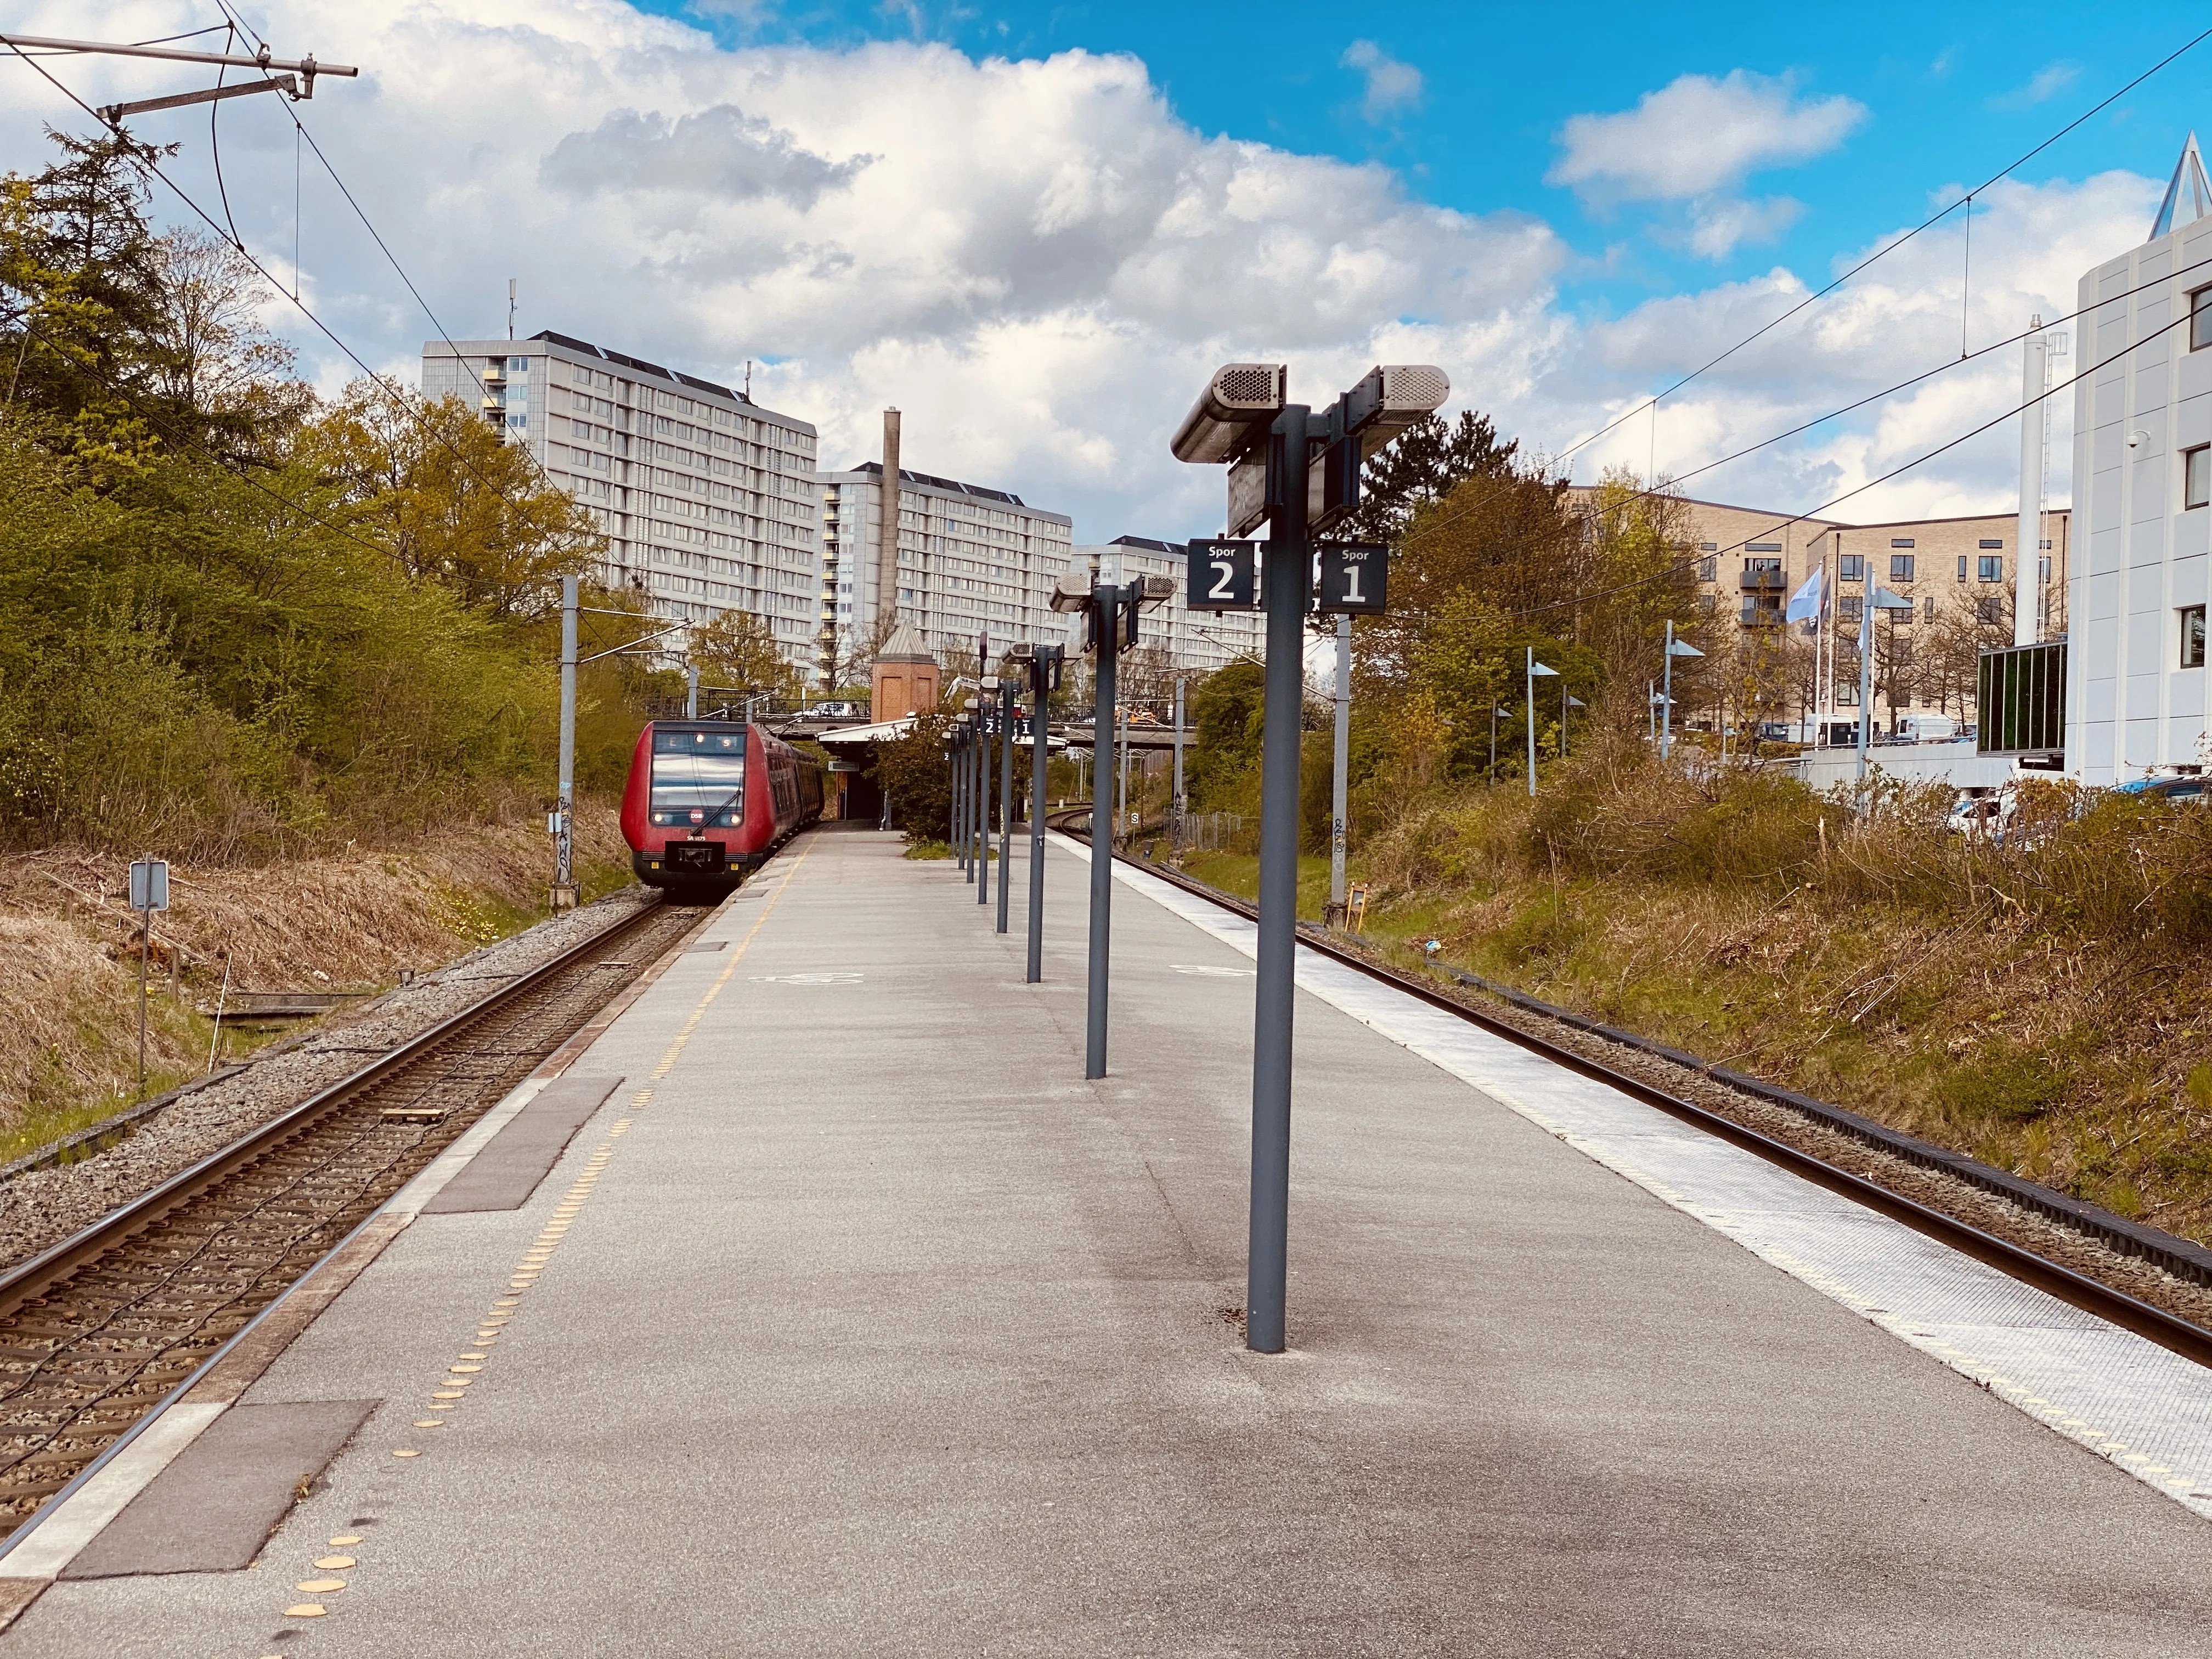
{"points": [[1206, 832]]}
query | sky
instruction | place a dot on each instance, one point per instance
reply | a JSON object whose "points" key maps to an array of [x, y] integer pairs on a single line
{"points": [[1036, 229]]}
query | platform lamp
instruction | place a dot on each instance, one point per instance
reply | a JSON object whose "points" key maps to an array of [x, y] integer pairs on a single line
{"points": [[1883, 600], [1535, 670]]}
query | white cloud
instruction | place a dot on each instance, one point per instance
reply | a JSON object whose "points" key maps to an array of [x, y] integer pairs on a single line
{"points": [[1698, 135], [2047, 82], [1718, 224], [1391, 85], [2032, 243], [1038, 262]]}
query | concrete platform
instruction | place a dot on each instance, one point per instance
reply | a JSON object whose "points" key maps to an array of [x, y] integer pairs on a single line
{"points": [[856, 1322]]}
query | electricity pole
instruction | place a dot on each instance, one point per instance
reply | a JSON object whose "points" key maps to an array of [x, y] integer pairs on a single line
{"points": [[564, 821]]}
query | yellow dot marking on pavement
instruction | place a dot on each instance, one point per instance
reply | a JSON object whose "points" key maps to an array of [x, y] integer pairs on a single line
{"points": [[333, 1564], [320, 1586], [527, 1271], [307, 1610], [345, 1538]]}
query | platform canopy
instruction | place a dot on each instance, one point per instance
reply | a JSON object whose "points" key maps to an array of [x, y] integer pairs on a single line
{"points": [[890, 731]]}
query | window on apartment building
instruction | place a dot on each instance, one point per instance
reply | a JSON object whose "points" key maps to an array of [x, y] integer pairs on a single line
{"points": [[1850, 567], [1989, 608], [2196, 475], [1848, 607], [1989, 567], [2192, 636], [1900, 566], [1706, 568], [1989, 542], [1928, 609], [2043, 568], [1962, 567], [2200, 319], [1900, 541], [1709, 547]]}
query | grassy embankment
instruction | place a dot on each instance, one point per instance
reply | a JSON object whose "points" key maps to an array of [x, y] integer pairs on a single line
{"points": [[350, 920], [2043, 1007]]}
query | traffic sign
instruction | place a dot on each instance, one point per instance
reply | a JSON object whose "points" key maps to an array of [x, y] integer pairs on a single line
{"points": [[1223, 576], [150, 885], [1353, 578]]}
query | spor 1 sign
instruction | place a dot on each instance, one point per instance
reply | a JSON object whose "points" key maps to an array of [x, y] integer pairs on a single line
{"points": [[1352, 578]]}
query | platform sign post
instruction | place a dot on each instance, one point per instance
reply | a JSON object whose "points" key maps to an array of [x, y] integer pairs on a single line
{"points": [[149, 891], [1106, 604], [1044, 663], [1242, 416], [1006, 797], [985, 715]]}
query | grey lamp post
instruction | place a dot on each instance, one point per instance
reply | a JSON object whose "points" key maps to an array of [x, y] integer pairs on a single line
{"points": [[1244, 419], [988, 702]]}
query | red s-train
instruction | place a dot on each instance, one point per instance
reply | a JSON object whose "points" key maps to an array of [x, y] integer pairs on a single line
{"points": [[707, 800]]}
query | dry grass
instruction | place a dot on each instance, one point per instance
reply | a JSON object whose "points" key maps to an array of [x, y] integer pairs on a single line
{"points": [[350, 920], [2044, 1008]]}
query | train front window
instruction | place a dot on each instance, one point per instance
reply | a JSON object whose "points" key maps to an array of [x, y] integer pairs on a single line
{"points": [[698, 779]]}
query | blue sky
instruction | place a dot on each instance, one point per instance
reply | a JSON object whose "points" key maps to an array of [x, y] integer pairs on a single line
{"points": [[1037, 247], [1949, 99]]}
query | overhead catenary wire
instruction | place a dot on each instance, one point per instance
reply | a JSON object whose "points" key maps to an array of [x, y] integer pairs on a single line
{"points": [[398, 400], [1889, 248], [1655, 490], [1801, 517]]}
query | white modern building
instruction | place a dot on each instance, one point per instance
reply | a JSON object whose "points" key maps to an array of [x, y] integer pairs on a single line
{"points": [[1195, 643], [709, 501], [2142, 497], [971, 559]]}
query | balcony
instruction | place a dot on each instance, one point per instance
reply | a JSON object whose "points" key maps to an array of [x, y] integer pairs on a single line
{"points": [[1755, 615], [1763, 581]]}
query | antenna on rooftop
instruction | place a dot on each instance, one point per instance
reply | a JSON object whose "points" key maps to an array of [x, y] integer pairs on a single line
{"points": [[510, 307], [749, 379]]}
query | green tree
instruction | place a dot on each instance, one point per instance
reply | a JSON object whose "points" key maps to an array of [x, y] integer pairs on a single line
{"points": [[736, 653], [451, 501], [1227, 713]]}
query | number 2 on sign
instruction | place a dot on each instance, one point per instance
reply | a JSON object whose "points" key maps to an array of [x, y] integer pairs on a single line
{"points": [[1224, 579]]}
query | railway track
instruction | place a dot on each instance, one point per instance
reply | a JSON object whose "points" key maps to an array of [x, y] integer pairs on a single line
{"points": [[95, 1332], [2070, 1249]]}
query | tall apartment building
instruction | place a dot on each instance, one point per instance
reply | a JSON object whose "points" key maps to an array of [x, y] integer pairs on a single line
{"points": [[971, 559], [2142, 481], [1195, 643], [709, 500]]}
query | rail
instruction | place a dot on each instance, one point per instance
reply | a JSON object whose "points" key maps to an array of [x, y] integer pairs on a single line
{"points": [[2176, 1255]]}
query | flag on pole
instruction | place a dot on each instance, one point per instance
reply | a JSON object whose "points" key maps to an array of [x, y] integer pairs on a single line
{"points": [[1805, 603]]}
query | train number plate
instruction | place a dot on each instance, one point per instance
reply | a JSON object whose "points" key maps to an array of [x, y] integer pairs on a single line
{"points": [[703, 855]]}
